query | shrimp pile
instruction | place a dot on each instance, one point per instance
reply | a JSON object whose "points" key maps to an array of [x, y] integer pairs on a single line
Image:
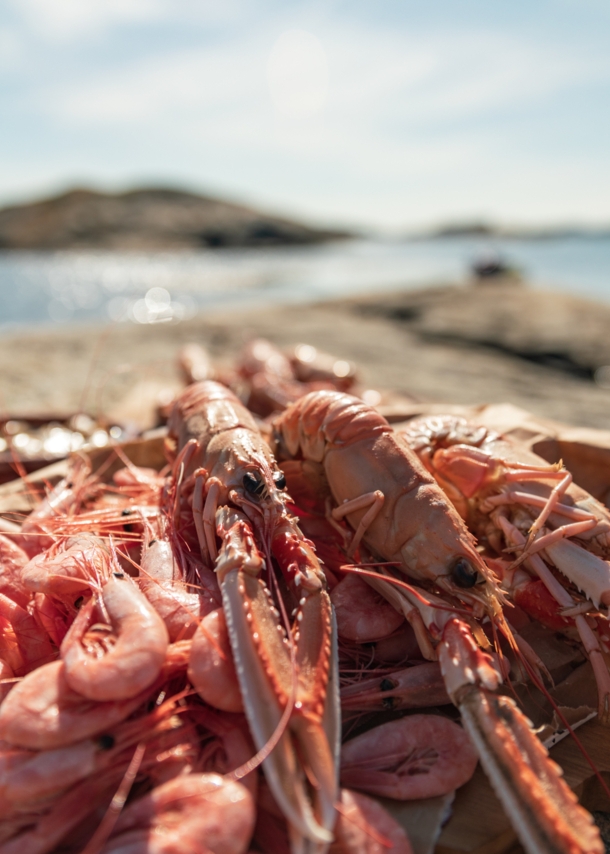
{"points": [[220, 657], [122, 718]]}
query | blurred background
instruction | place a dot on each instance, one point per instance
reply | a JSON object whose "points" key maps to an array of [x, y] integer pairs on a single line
{"points": [[162, 162]]}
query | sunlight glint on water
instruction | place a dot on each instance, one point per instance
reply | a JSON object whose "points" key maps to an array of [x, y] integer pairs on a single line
{"points": [[65, 287]]}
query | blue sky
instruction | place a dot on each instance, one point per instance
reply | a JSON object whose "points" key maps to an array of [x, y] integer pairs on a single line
{"points": [[387, 113]]}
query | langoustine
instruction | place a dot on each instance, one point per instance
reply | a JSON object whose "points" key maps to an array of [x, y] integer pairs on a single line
{"points": [[225, 469], [397, 510], [514, 500]]}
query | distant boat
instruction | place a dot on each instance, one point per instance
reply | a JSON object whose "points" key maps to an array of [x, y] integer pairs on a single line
{"points": [[492, 266]]}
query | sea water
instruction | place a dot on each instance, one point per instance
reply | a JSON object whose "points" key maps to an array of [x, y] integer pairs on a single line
{"points": [[130, 287]]}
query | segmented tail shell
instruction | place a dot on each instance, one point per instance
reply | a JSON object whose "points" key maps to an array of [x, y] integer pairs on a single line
{"points": [[325, 418]]}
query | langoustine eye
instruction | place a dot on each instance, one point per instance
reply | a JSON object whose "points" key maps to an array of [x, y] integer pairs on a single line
{"points": [[279, 480], [253, 483], [463, 573]]}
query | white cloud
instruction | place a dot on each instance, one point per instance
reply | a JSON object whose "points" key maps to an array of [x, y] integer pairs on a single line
{"points": [[183, 84], [417, 79], [297, 74], [423, 78], [403, 119], [11, 49], [402, 111], [64, 20]]}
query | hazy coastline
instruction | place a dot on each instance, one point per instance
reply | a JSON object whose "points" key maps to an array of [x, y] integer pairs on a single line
{"points": [[86, 318]]}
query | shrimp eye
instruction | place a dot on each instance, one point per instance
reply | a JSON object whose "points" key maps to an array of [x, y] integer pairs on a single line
{"points": [[279, 480], [463, 573], [253, 484]]}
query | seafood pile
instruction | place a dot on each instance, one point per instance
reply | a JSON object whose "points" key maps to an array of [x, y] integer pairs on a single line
{"points": [[305, 610]]}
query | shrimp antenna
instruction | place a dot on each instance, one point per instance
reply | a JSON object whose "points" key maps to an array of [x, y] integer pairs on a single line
{"points": [[111, 816], [554, 705]]}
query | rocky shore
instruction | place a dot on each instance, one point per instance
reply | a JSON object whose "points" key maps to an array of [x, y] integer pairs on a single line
{"points": [[490, 343]]}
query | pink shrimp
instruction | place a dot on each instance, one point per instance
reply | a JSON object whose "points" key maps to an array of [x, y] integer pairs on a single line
{"points": [[180, 607], [211, 667], [27, 776], [193, 813], [25, 645], [115, 662], [163, 745], [43, 712], [6, 679], [53, 615], [29, 779], [39, 831], [410, 688], [399, 647], [12, 560], [362, 614], [420, 756], [69, 568], [232, 747], [37, 530], [365, 827]]}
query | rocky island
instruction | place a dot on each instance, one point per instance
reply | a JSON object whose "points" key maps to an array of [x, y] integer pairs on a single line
{"points": [[147, 219]]}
